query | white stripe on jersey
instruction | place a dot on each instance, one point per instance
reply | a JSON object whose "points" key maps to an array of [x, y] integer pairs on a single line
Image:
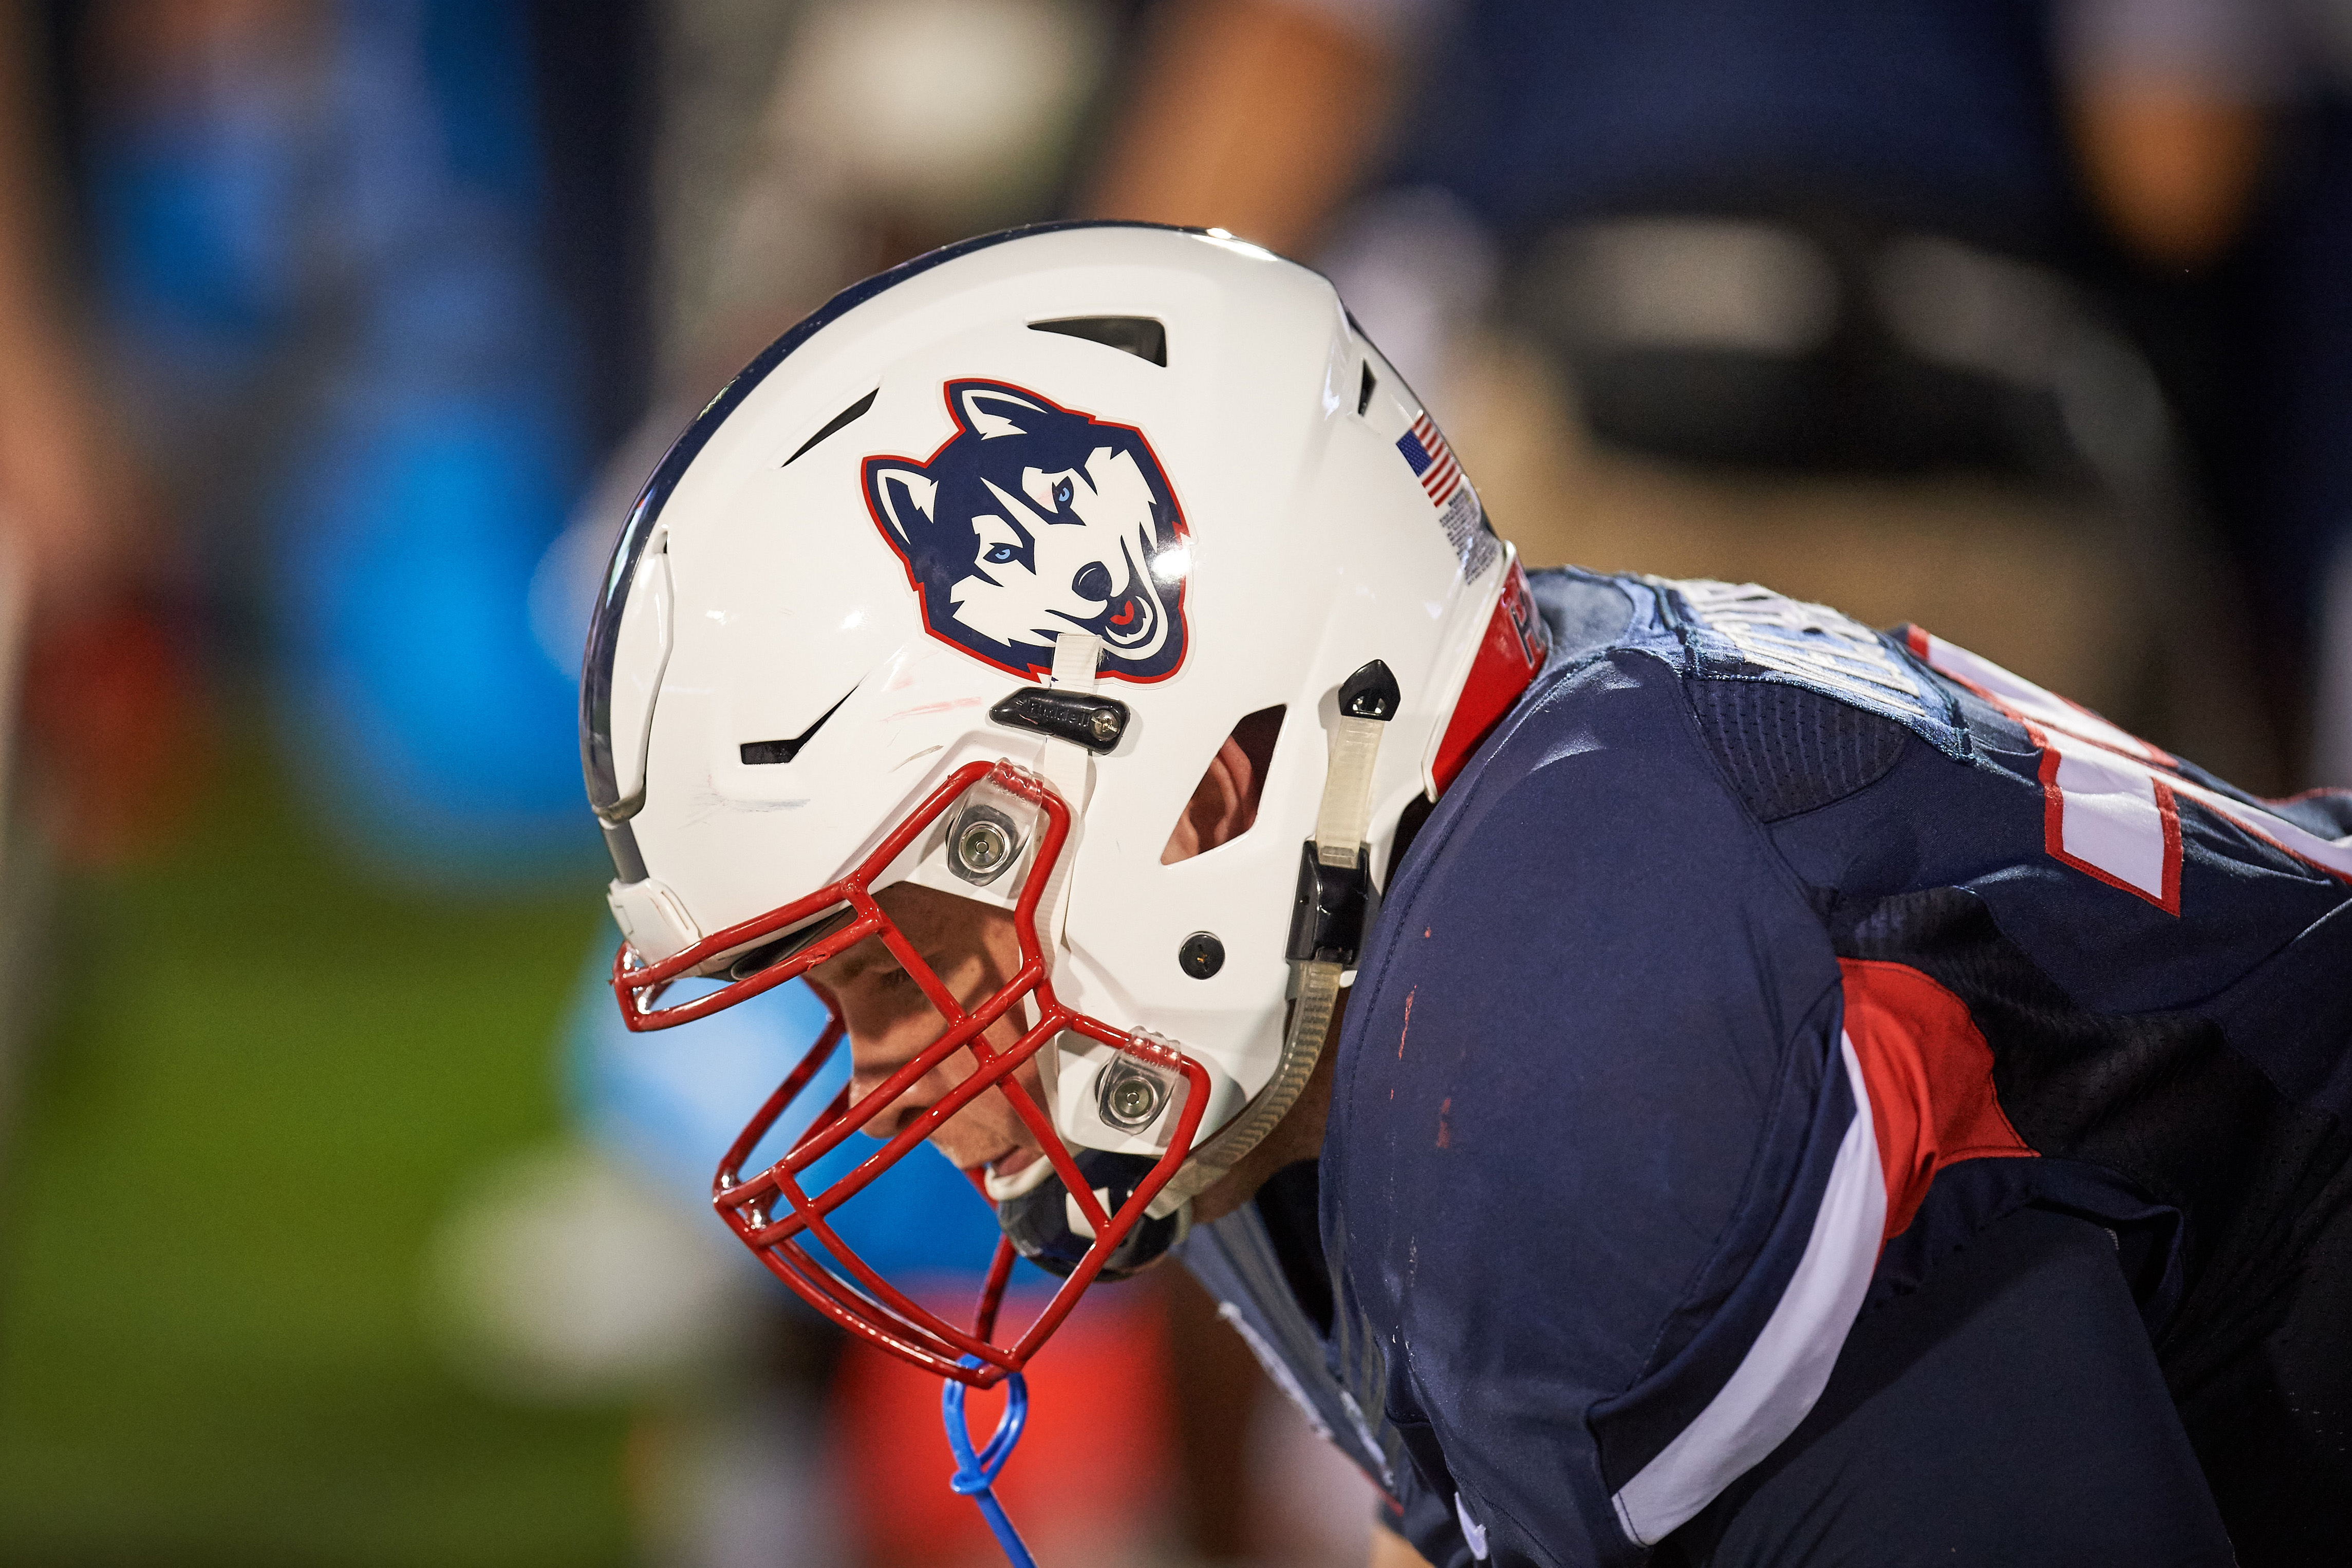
{"points": [[1784, 1372]]}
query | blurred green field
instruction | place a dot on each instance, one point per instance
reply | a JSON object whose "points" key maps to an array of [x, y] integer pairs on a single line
{"points": [[262, 1082]]}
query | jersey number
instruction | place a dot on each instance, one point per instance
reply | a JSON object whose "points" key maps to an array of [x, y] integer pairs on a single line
{"points": [[2111, 801]]}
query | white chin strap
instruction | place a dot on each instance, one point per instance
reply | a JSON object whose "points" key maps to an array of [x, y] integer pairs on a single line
{"points": [[1336, 907]]}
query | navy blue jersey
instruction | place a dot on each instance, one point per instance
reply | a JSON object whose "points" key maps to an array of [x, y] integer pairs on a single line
{"points": [[1757, 961]]}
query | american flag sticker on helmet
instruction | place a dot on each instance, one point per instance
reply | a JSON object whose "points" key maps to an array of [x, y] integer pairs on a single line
{"points": [[1439, 473], [1431, 461]]}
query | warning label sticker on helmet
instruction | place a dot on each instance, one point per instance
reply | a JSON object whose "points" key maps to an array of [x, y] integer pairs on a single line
{"points": [[1433, 462]]}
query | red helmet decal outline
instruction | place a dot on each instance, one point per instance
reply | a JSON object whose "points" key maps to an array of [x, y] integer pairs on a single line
{"points": [[1030, 520]]}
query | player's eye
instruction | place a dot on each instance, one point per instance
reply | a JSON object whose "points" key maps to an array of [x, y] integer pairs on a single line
{"points": [[1062, 492], [999, 554]]}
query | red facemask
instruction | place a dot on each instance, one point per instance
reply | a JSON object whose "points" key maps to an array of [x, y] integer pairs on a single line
{"points": [[769, 1210]]}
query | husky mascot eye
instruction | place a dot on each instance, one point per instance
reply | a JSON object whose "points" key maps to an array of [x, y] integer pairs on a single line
{"points": [[1032, 519]]}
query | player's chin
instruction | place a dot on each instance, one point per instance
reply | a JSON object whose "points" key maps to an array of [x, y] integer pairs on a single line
{"points": [[1008, 1164]]}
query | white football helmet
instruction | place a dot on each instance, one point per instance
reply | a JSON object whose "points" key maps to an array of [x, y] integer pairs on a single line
{"points": [[964, 582]]}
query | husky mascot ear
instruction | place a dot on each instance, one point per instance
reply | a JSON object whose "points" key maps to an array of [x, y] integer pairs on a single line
{"points": [[904, 497], [988, 410]]}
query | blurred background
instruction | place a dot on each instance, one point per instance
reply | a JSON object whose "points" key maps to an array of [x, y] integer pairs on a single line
{"points": [[337, 335]]}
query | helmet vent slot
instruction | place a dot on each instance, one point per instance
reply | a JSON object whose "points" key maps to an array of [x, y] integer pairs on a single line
{"points": [[1224, 803], [751, 961], [1364, 390], [1141, 336], [758, 753], [848, 415]]}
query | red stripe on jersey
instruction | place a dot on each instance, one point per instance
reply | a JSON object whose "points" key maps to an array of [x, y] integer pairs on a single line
{"points": [[1929, 1073]]}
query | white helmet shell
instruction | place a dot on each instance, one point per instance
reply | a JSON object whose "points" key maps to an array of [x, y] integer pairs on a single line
{"points": [[1173, 442]]}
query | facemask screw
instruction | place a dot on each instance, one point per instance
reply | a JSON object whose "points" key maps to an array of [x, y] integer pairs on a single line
{"points": [[1134, 1101], [1104, 724], [1129, 1095], [1202, 956], [982, 844]]}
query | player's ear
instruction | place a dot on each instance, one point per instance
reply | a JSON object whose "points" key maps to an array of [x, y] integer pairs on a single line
{"points": [[1224, 803], [899, 495]]}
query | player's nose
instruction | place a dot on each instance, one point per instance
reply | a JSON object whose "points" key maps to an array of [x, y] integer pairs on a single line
{"points": [[876, 1055], [892, 1118]]}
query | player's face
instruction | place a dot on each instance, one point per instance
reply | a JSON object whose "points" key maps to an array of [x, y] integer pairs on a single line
{"points": [[973, 950]]}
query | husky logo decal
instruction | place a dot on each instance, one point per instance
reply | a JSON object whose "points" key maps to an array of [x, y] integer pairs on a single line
{"points": [[1033, 519]]}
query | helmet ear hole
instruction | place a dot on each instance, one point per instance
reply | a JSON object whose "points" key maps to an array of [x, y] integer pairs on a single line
{"points": [[1224, 804]]}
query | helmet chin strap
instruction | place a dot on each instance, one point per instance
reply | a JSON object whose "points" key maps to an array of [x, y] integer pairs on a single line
{"points": [[1335, 906], [1336, 901]]}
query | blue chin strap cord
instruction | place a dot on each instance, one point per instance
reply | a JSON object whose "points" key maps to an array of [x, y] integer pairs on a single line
{"points": [[975, 1476]]}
